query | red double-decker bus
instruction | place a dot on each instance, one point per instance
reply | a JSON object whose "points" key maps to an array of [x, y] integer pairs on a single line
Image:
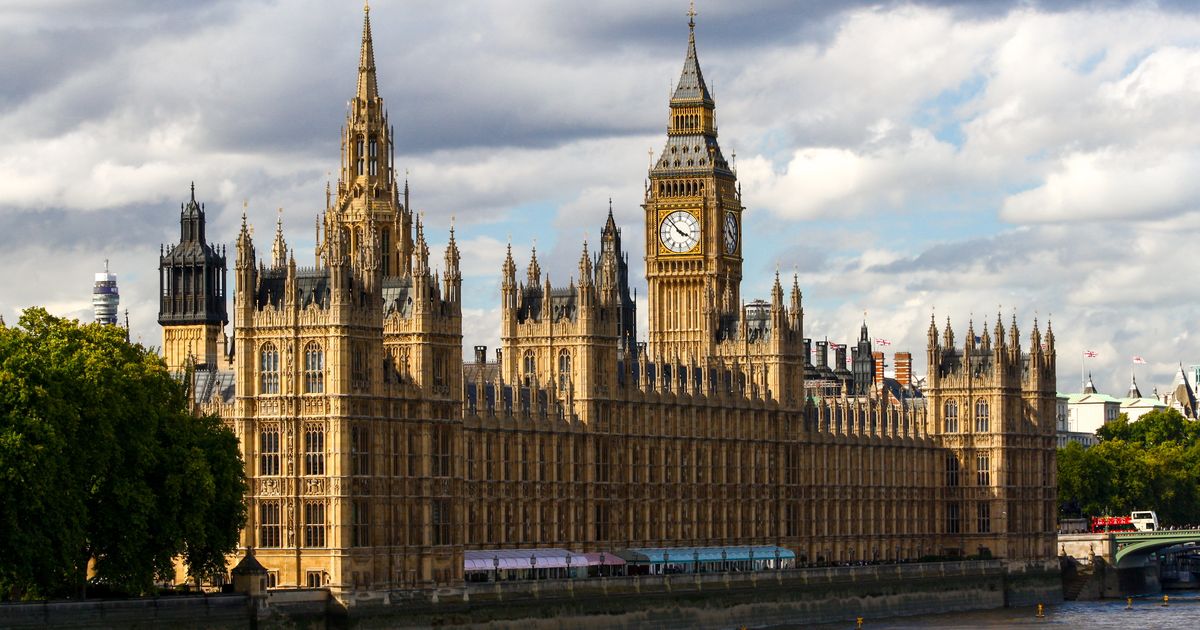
{"points": [[1113, 524]]}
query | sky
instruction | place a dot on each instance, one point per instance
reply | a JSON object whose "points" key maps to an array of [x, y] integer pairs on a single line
{"points": [[904, 159]]}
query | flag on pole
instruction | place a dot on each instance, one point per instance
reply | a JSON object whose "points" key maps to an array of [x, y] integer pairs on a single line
{"points": [[883, 342], [1139, 360], [1090, 354]]}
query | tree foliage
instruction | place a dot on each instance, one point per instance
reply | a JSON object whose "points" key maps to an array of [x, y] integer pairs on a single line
{"points": [[1152, 463], [102, 465]]}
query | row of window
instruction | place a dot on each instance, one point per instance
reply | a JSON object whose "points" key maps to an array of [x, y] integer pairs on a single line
{"points": [[983, 519], [314, 369], [314, 531], [983, 470], [981, 416], [441, 452]]}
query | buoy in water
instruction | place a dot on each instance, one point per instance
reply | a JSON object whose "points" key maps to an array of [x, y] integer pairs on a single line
{"points": [[1128, 603], [1041, 611], [859, 623], [1165, 601]]}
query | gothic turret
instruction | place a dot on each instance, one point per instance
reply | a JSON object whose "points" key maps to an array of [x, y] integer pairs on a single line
{"points": [[192, 287]]}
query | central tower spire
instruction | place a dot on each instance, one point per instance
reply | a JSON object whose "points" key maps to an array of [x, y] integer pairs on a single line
{"points": [[367, 192], [368, 87]]}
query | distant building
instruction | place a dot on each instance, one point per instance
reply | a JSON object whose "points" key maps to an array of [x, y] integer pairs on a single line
{"points": [[105, 297]]}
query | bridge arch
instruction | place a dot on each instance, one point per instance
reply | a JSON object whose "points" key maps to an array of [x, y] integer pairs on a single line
{"points": [[1133, 549]]}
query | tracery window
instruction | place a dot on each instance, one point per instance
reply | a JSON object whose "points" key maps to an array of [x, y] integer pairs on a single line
{"points": [[984, 518], [951, 469], [951, 416], [374, 157], [268, 524], [983, 470], [360, 450], [314, 368], [564, 368], [314, 524], [981, 416], [268, 452], [443, 451], [314, 451], [952, 518], [360, 534], [268, 369], [529, 367]]}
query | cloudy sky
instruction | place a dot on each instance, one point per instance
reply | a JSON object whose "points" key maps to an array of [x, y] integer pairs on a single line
{"points": [[902, 158]]}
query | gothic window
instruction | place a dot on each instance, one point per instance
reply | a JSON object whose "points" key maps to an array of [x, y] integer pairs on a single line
{"points": [[952, 518], [951, 416], [314, 524], [414, 455], [268, 524], [268, 369], [360, 534], [981, 416], [314, 451], [528, 367], [314, 368], [385, 246], [983, 472], [951, 469], [439, 367], [442, 451], [984, 518], [268, 452], [441, 521], [374, 157], [564, 368], [358, 366], [360, 450], [359, 153]]}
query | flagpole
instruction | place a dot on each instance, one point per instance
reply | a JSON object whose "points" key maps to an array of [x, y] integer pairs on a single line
{"points": [[1082, 381]]}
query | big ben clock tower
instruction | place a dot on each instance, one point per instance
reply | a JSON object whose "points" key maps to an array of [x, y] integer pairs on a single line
{"points": [[693, 225]]}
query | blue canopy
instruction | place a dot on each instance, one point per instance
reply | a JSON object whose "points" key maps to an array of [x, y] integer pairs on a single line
{"points": [[664, 555]]}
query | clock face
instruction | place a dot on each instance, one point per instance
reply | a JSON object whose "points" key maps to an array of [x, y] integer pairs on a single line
{"points": [[679, 231], [731, 233]]}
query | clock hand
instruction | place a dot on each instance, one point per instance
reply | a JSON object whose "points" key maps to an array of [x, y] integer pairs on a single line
{"points": [[676, 227]]}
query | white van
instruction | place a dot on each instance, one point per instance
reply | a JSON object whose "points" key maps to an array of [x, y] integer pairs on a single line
{"points": [[1145, 521]]}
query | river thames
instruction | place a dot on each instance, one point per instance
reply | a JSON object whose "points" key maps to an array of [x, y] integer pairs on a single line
{"points": [[1183, 611]]}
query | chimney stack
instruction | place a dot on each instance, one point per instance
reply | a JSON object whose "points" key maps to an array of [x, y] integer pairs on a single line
{"points": [[878, 356], [903, 366]]}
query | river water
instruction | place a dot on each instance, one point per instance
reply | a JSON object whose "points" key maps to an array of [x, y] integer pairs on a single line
{"points": [[1183, 611]]}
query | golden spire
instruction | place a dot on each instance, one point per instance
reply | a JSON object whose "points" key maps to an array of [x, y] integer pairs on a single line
{"points": [[368, 88], [692, 15]]}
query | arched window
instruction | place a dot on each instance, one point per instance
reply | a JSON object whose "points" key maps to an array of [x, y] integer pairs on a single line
{"points": [[951, 416], [564, 368], [528, 367], [269, 369], [314, 368], [981, 416]]}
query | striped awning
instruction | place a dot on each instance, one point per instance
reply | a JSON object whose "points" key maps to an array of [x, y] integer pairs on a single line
{"points": [[513, 559]]}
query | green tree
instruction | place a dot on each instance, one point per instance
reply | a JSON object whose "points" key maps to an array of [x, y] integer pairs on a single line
{"points": [[103, 466], [1152, 463]]}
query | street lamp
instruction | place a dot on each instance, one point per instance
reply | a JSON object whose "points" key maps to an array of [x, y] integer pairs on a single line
{"points": [[752, 558], [666, 561], [533, 565], [777, 567], [496, 565], [695, 561], [600, 571], [568, 565], [724, 562]]}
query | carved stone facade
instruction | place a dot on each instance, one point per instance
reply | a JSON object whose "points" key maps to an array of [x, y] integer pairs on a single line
{"points": [[375, 456]]}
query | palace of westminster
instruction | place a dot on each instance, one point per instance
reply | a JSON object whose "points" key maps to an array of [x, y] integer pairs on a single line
{"points": [[376, 458]]}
